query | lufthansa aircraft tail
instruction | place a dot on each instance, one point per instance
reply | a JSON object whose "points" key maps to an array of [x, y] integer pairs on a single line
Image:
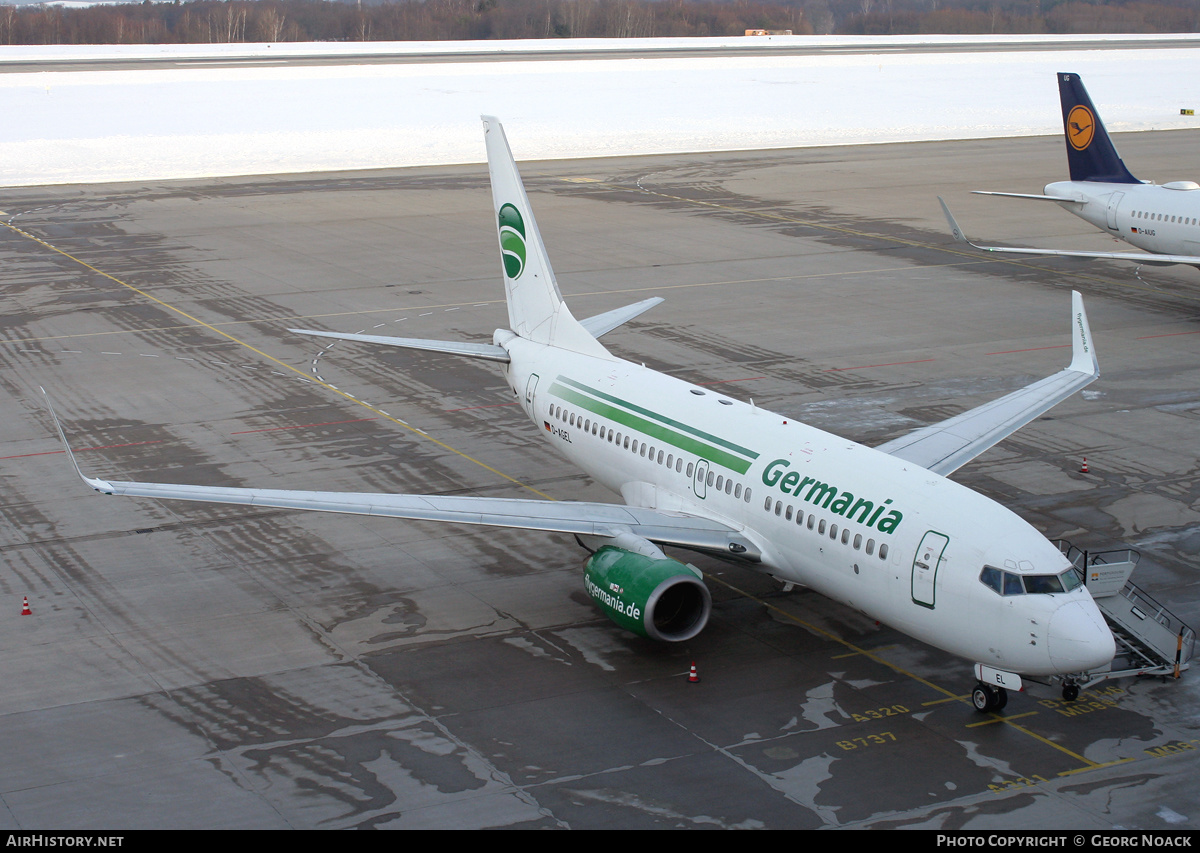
{"points": [[1091, 155], [536, 310]]}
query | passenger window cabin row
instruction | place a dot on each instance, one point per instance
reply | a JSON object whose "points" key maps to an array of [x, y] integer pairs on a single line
{"points": [[667, 459], [819, 525], [716, 481], [1163, 217]]}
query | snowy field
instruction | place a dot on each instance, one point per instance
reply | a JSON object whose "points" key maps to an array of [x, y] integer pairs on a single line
{"points": [[92, 126]]}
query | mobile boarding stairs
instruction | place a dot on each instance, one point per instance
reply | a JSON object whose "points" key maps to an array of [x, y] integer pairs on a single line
{"points": [[1150, 639]]}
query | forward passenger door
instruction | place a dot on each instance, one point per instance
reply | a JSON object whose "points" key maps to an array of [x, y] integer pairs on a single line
{"points": [[925, 568]]}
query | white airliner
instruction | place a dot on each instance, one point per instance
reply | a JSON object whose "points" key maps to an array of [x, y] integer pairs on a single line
{"points": [[881, 530], [1162, 219]]}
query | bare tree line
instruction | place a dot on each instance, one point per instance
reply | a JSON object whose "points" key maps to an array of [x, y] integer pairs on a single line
{"points": [[214, 21]]}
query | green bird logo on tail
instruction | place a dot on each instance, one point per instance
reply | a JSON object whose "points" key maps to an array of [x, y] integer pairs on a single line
{"points": [[512, 241]]}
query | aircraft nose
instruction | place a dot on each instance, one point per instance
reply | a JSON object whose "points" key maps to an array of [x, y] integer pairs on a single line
{"points": [[1079, 639]]}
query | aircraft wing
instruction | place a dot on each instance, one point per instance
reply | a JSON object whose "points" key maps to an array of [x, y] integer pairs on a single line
{"points": [[683, 530], [1136, 257], [945, 447]]}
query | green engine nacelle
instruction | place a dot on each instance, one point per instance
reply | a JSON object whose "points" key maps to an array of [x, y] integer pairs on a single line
{"points": [[662, 599]]}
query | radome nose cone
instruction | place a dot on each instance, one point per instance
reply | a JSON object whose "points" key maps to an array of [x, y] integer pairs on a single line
{"points": [[1079, 639]]}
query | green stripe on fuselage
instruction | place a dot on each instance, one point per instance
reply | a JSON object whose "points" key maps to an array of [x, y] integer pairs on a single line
{"points": [[651, 429], [728, 445]]}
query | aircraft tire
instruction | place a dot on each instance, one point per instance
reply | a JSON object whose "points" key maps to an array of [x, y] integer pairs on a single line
{"points": [[982, 698], [1001, 698]]}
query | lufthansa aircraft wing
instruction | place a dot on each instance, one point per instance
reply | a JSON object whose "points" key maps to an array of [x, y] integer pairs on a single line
{"points": [[588, 519], [1136, 257], [947, 446]]}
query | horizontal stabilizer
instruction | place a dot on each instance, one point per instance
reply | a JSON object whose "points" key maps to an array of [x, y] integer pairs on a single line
{"points": [[604, 323], [488, 352], [1032, 196], [947, 446]]}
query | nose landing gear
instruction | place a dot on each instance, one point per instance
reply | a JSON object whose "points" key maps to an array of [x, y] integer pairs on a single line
{"points": [[991, 693], [987, 698]]}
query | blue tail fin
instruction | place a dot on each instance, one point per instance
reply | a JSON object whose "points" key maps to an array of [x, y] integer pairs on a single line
{"points": [[1091, 155]]}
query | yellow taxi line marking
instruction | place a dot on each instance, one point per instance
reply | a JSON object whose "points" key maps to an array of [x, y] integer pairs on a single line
{"points": [[1089, 765], [1095, 767], [845, 643], [1006, 718], [282, 364]]}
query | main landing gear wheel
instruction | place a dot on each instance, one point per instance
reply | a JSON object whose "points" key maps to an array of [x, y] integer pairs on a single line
{"points": [[986, 698]]}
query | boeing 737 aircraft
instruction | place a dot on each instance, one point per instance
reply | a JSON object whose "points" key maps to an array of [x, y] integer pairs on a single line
{"points": [[881, 530], [1163, 219]]}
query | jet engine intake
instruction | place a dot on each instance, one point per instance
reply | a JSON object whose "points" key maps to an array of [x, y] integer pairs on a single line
{"points": [[662, 599]]}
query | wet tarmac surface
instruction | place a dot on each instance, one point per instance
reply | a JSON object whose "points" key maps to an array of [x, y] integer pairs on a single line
{"points": [[200, 666]]}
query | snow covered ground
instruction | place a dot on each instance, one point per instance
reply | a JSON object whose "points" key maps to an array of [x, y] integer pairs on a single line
{"points": [[91, 126]]}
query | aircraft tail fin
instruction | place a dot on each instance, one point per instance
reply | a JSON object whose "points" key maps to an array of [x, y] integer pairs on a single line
{"points": [[1091, 155], [536, 310]]}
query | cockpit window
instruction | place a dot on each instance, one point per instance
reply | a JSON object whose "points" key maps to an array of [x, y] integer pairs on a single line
{"points": [[1010, 583], [1001, 582], [1071, 579], [993, 578], [1042, 584]]}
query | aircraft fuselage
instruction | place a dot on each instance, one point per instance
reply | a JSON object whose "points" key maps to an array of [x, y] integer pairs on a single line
{"points": [[901, 544], [1163, 219]]}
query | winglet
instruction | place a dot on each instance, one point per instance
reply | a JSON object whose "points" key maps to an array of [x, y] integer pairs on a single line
{"points": [[98, 485], [946, 446], [1083, 353], [959, 236]]}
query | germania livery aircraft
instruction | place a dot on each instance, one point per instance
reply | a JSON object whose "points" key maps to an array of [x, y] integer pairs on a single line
{"points": [[881, 530], [1163, 219]]}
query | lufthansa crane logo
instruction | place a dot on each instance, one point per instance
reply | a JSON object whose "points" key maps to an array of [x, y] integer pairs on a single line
{"points": [[512, 241], [1081, 125]]}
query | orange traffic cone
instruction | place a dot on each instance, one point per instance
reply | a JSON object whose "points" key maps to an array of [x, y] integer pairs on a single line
{"points": [[1084, 469], [25, 611], [693, 678]]}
